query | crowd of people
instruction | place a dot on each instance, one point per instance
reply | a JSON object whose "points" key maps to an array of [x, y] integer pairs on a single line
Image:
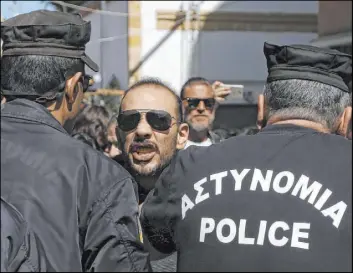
{"points": [[154, 187]]}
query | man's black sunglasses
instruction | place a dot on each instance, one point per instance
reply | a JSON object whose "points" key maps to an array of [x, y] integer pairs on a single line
{"points": [[158, 119], [193, 103]]}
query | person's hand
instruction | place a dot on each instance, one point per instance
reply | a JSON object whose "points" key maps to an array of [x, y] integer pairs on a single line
{"points": [[221, 91]]}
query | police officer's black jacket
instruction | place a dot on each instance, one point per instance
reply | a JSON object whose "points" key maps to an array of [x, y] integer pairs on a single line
{"points": [[82, 206], [278, 200], [19, 245]]}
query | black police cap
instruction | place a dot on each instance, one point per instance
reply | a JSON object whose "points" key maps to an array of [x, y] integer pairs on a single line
{"points": [[306, 62], [50, 33]]}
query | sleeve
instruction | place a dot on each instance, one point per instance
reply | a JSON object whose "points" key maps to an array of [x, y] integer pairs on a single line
{"points": [[161, 210], [112, 240]]}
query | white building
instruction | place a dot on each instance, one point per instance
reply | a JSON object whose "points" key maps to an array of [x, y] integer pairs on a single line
{"points": [[2, 20], [335, 26], [225, 43], [229, 45], [108, 46]]}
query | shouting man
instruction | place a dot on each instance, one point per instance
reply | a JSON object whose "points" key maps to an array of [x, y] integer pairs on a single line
{"points": [[150, 132]]}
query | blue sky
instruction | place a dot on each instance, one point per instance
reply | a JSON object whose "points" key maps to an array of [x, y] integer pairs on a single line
{"points": [[8, 9]]}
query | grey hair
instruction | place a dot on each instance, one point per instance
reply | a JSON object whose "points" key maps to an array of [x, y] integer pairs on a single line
{"points": [[308, 100]]}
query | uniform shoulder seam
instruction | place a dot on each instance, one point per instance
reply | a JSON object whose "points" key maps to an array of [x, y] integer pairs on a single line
{"points": [[103, 196]]}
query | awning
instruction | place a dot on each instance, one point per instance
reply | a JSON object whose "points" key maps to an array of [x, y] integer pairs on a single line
{"points": [[339, 39]]}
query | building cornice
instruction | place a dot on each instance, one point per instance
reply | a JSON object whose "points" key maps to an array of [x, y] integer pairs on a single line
{"points": [[243, 21]]}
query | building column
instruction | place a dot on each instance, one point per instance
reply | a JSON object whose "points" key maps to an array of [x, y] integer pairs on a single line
{"points": [[134, 41]]}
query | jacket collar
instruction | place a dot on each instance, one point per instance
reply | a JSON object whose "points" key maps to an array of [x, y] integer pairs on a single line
{"points": [[214, 137], [285, 129], [30, 111]]}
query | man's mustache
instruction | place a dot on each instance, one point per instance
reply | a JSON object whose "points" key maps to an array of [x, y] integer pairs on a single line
{"points": [[136, 145]]}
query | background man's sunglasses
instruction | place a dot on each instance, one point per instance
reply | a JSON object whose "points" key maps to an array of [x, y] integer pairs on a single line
{"points": [[158, 119], [194, 102]]}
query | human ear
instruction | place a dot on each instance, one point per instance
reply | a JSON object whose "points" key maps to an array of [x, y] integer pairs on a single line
{"points": [[183, 135], [344, 123], [72, 89], [260, 112]]}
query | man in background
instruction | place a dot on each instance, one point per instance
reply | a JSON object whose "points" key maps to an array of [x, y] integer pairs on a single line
{"points": [[200, 102]]}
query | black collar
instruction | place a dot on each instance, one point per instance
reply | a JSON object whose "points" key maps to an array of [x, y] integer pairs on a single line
{"points": [[287, 129], [30, 111]]}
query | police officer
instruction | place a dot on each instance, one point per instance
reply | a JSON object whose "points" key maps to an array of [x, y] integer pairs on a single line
{"points": [[280, 200], [82, 206]]}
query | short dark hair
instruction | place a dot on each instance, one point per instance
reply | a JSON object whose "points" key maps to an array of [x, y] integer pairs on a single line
{"points": [[32, 74], [96, 112], [307, 100], [93, 122], [156, 82], [86, 139], [191, 81]]}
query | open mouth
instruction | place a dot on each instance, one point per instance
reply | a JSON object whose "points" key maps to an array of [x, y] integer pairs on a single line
{"points": [[143, 152]]}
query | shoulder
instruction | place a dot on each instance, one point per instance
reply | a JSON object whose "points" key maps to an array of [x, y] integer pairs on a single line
{"points": [[219, 135], [189, 160], [91, 166]]}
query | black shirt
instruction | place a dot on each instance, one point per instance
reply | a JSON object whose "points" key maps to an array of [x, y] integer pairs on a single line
{"points": [[278, 200]]}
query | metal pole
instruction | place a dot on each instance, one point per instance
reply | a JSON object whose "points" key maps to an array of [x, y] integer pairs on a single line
{"points": [[181, 70], [197, 38], [154, 49], [187, 41], [101, 45]]}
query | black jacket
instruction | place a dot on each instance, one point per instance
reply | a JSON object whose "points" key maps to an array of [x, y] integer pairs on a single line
{"points": [[217, 137], [19, 245], [82, 205], [280, 200]]}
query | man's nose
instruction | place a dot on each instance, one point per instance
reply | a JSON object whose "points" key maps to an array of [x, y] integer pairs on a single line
{"points": [[201, 107], [143, 128]]}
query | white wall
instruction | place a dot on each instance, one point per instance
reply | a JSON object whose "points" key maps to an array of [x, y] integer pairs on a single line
{"points": [[165, 62], [224, 55], [111, 56], [237, 57]]}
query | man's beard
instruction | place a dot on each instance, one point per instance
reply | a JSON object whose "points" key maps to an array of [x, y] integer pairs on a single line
{"points": [[197, 127], [200, 127], [157, 170]]}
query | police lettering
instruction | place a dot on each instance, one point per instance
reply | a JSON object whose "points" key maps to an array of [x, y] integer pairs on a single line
{"points": [[278, 234], [282, 183]]}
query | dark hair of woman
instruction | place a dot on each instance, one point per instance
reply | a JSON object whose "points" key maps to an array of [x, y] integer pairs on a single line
{"points": [[92, 123]]}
